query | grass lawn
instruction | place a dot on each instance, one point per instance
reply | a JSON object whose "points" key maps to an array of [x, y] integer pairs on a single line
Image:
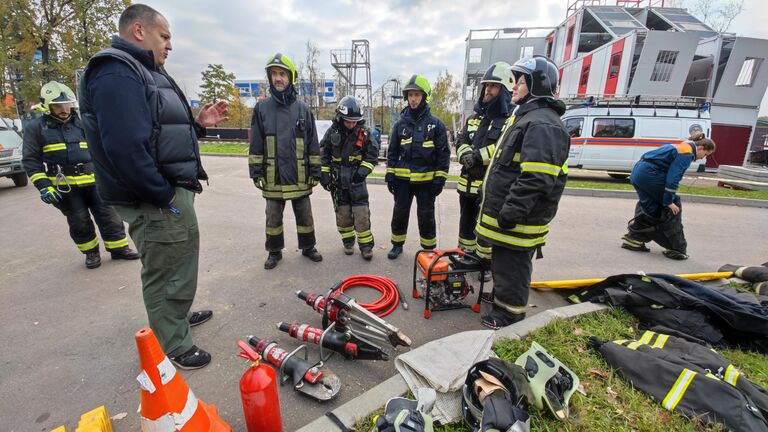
{"points": [[223, 147], [610, 404], [239, 148]]}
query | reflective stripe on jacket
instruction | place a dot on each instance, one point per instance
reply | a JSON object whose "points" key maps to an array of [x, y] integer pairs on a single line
{"points": [[56, 153], [284, 150], [526, 177]]}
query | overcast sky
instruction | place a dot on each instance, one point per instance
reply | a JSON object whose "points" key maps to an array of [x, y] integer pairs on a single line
{"points": [[406, 36]]}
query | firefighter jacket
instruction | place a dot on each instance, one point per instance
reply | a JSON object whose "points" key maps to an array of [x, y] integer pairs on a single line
{"points": [[479, 136], [140, 129], [284, 150], [720, 316], [690, 378], [526, 177], [671, 161], [348, 151], [55, 153], [418, 148]]}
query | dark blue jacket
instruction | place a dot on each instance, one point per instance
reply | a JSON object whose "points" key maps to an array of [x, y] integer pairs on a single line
{"points": [[140, 148], [671, 160]]}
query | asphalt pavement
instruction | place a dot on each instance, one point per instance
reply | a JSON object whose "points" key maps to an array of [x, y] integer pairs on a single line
{"points": [[68, 343]]}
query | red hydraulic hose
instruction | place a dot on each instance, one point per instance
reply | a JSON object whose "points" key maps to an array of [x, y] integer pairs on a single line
{"points": [[390, 293]]}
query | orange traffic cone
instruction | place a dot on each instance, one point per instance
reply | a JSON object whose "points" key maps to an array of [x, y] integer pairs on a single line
{"points": [[167, 404]]}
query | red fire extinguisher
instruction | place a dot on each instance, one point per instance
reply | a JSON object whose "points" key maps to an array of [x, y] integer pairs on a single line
{"points": [[258, 392]]}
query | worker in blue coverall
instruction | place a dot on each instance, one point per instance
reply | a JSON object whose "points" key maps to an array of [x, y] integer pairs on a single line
{"points": [[658, 213]]}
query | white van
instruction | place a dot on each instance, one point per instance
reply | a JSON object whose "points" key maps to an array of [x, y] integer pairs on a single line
{"points": [[613, 138]]}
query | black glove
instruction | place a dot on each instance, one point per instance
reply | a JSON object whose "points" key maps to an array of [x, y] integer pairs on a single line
{"points": [[469, 160], [325, 180], [391, 187], [437, 186], [500, 414], [360, 175]]}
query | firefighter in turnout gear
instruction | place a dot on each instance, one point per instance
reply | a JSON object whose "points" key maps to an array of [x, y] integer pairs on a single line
{"points": [[57, 159], [349, 154], [284, 159], [474, 150], [417, 165], [522, 187]]}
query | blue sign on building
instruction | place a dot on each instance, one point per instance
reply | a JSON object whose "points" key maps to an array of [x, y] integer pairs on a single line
{"points": [[243, 89], [329, 89]]}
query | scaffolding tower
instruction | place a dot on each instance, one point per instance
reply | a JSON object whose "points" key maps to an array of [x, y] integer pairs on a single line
{"points": [[354, 67]]}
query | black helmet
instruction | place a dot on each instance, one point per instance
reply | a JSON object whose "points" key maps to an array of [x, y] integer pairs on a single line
{"points": [[349, 109], [496, 371], [540, 75]]}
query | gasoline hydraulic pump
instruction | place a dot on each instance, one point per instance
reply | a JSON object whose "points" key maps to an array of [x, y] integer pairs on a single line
{"points": [[313, 380], [258, 392], [440, 277]]}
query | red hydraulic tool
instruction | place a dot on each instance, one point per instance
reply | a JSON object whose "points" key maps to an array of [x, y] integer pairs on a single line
{"points": [[258, 392], [343, 343], [350, 317], [441, 279], [311, 379]]}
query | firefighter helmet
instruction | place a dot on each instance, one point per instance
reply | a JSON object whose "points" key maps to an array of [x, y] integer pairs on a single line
{"points": [[349, 109], [540, 75], [551, 383], [499, 73], [56, 93], [417, 82], [284, 62], [494, 373]]}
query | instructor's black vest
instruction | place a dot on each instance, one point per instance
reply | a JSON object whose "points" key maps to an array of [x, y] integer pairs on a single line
{"points": [[173, 144]]}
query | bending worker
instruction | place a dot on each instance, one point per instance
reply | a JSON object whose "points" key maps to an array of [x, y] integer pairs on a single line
{"points": [[474, 149], [57, 159], [523, 186], [284, 159], [417, 165], [349, 154], [658, 212]]}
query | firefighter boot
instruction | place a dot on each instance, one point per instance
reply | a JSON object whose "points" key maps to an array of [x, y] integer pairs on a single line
{"points": [[125, 253], [499, 318], [395, 251], [312, 254], [367, 253], [92, 259], [349, 248], [272, 260], [675, 255]]}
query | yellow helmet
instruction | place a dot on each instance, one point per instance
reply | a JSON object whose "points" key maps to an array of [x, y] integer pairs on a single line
{"points": [[56, 93], [284, 62]]}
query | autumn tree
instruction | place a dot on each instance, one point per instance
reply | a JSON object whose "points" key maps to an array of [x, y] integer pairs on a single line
{"points": [[218, 84], [43, 40], [239, 113], [444, 101]]}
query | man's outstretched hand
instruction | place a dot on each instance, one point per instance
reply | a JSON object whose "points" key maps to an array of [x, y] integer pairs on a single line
{"points": [[213, 114]]}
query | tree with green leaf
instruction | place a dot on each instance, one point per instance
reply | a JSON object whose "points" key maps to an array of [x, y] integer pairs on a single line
{"points": [[43, 40], [445, 98], [218, 84]]}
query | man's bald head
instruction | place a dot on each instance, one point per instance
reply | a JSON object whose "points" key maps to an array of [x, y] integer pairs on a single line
{"points": [[146, 28], [136, 12]]}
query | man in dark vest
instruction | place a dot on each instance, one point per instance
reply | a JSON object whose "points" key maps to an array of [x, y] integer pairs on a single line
{"points": [[143, 138], [57, 159]]}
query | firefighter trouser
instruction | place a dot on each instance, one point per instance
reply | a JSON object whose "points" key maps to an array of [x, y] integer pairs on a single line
{"points": [[75, 206], [353, 216], [169, 246], [511, 278], [666, 230], [470, 209], [305, 225], [649, 182], [425, 211]]}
